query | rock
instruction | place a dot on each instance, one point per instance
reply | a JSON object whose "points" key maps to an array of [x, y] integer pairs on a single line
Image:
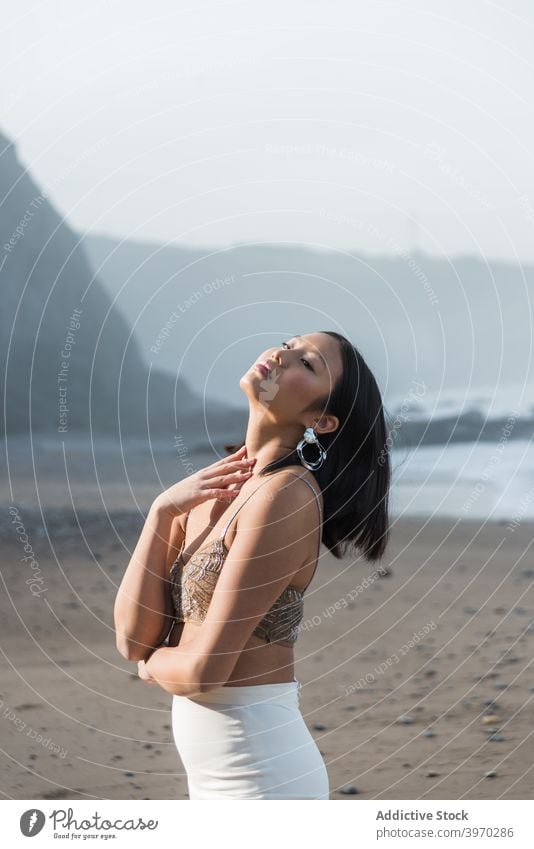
{"points": [[405, 719], [491, 773], [431, 773], [318, 726], [429, 733], [349, 790], [489, 720], [496, 738]]}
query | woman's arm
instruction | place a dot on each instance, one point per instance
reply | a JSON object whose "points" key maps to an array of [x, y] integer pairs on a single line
{"points": [[143, 611], [271, 543]]}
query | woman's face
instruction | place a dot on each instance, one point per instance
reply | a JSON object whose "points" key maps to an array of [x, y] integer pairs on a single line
{"points": [[302, 369]]}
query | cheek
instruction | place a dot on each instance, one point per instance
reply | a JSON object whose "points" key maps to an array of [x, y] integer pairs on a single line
{"points": [[298, 385]]}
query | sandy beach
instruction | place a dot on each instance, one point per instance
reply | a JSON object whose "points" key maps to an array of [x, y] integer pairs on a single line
{"points": [[401, 673]]}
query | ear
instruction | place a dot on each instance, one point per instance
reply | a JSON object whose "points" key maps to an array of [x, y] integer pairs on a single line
{"points": [[326, 424]]}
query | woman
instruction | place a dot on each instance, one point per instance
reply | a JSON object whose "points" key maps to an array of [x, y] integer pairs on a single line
{"points": [[314, 466]]}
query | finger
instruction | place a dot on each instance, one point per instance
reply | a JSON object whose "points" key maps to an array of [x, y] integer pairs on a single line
{"points": [[224, 480], [215, 467], [230, 465], [225, 494], [235, 456]]}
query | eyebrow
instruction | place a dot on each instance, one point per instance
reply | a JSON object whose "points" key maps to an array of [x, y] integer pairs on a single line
{"points": [[324, 363]]}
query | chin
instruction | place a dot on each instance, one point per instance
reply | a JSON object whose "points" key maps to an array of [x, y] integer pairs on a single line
{"points": [[248, 386]]}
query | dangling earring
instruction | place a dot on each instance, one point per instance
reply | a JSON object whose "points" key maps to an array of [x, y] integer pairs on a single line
{"points": [[310, 437]]}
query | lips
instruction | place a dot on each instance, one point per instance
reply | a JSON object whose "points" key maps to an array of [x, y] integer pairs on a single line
{"points": [[263, 368]]}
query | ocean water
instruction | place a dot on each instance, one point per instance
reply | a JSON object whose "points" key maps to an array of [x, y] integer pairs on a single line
{"points": [[483, 480], [478, 480]]}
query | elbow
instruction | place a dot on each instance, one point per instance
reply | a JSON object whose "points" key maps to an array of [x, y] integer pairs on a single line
{"points": [[131, 650]]}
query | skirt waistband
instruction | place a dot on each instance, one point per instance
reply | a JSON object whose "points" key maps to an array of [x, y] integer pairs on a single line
{"points": [[250, 694]]}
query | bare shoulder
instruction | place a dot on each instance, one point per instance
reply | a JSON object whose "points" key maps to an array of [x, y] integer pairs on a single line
{"points": [[301, 481], [282, 496], [274, 526]]}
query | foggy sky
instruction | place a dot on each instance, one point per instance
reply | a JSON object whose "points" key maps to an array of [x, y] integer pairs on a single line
{"points": [[350, 125]]}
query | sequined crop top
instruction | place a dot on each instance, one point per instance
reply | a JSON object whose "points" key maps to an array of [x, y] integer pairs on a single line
{"points": [[193, 583]]}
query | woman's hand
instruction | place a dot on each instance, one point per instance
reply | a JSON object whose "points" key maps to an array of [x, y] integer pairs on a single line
{"points": [[206, 484], [144, 674]]}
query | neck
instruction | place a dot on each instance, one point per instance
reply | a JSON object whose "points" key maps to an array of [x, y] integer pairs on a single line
{"points": [[268, 441]]}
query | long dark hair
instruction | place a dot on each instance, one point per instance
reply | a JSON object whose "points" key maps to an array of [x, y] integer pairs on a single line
{"points": [[355, 478]]}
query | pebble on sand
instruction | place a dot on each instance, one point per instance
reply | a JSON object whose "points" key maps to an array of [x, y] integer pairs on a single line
{"points": [[349, 790]]}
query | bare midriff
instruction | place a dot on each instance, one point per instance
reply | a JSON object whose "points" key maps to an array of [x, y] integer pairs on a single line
{"points": [[259, 662]]}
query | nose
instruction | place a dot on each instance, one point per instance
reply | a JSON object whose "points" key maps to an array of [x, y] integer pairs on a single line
{"points": [[277, 356]]}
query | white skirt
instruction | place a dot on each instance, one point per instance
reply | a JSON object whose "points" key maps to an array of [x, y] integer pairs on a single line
{"points": [[248, 742]]}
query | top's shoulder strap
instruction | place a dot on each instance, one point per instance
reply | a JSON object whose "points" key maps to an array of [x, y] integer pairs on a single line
{"points": [[223, 534], [320, 514]]}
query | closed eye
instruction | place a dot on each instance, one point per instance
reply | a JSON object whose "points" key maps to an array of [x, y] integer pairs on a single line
{"points": [[305, 361]]}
